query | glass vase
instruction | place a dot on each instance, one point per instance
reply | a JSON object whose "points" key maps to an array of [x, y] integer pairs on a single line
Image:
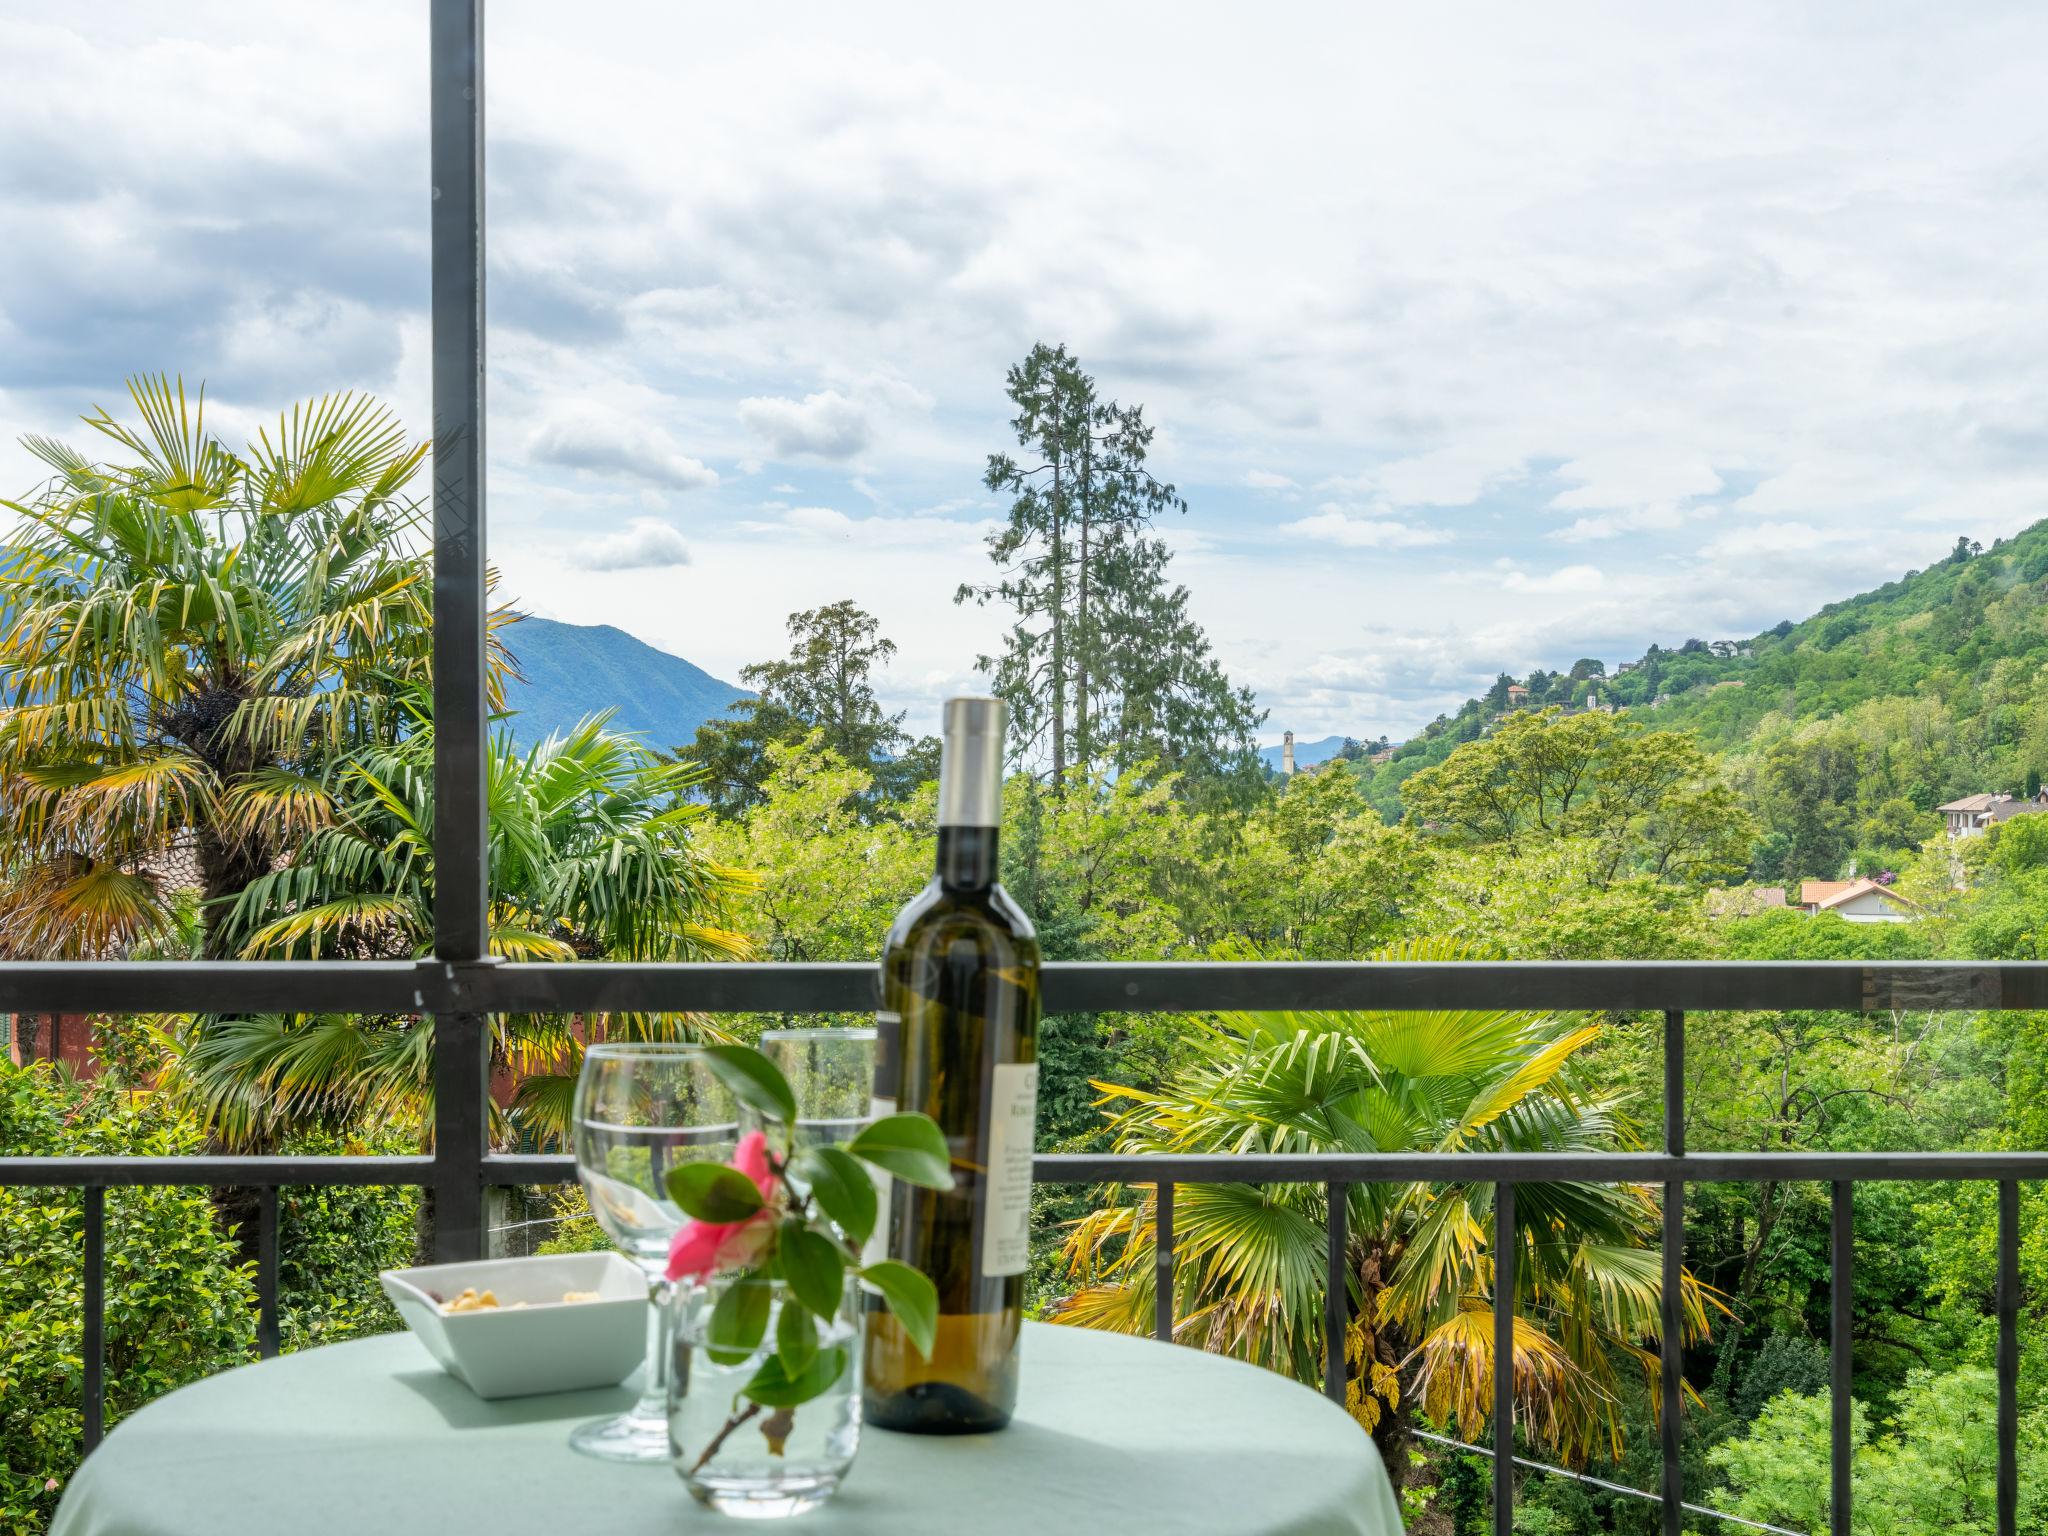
{"points": [[738, 1457]]}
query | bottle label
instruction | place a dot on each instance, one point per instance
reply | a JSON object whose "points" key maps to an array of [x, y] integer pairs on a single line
{"points": [[1012, 1135]]}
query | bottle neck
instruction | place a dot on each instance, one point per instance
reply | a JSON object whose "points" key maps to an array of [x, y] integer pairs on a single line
{"points": [[967, 858]]}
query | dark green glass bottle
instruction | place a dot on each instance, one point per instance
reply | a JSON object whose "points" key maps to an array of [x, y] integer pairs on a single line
{"points": [[960, 999]]}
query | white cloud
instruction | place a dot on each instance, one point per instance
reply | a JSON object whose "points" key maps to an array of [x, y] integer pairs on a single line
{"points": [[1567, 307], [1566, 578], [646, 543], [1333, 525], [603, 443], [1610, 525], [824, 425], [1267, 480]]}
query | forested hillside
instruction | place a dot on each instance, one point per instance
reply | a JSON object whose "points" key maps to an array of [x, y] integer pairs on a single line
{"points": [[1841, 732]]}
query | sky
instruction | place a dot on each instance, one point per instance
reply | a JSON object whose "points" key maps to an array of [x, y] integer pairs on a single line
{"points": [[1478, 337]]}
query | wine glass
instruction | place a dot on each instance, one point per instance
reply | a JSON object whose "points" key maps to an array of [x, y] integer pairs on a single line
{"points": [[831, 1073], [641, 1108]]}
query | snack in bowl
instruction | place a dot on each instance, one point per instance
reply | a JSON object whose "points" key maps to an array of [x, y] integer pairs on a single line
{"points": [[560, 1322]]}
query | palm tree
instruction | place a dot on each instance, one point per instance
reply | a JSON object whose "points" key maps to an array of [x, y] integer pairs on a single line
{"points": [[592, 855], [189, 638], [1249, 1261]]}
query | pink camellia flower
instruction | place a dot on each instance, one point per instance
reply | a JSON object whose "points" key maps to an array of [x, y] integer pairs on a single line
{"points": [[702, 1248]]}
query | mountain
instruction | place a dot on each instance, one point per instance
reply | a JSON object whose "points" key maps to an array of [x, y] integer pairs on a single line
{"points": [[574, 670], [1306, 753], [1963, 642]]}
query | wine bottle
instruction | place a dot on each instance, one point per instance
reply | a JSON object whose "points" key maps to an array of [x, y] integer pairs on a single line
{"points": [[960, 997]]}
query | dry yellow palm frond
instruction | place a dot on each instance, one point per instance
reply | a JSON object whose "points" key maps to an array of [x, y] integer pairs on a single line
{"points": [[77, 910], [121, 805], [1454, 1377], [281, 803]]}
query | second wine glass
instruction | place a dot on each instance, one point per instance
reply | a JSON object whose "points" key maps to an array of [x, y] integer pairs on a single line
{"points": [[642, 1108]]}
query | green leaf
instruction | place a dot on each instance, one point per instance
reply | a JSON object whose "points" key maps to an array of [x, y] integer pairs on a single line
{"points": [[910, 1146], [796, 1340], [912, 1297], [753, 1079], [738, 1321], [774, 1387], [841, 1187], [713, 1192], [813, 1267]]}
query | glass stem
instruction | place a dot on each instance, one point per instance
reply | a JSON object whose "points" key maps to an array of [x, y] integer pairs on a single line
{"points": [[661, 1327]]}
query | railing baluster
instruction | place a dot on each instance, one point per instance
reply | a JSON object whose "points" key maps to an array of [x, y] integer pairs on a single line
{"points": [[1162, 1262], [1504, 1360], [95, 1343], [1671, 1383], [1842, 1281], [1337, 1292], [2008, 1356], [266, 1271]]}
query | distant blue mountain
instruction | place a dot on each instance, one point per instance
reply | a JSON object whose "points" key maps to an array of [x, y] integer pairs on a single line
{"points": [[1306, 753], [574, 670]]}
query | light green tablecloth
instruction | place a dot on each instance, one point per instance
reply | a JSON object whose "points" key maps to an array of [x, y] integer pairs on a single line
{"points": [[1113, 1435]]}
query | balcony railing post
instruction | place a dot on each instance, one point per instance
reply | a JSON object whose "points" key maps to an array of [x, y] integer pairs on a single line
{"points": [[1841, 1321], [461, 833], [2008, 1356], [266, 1272], [1504, 1359], [1337, 1294], [1671, 1366], [1162, 1262], [95, 1341]]}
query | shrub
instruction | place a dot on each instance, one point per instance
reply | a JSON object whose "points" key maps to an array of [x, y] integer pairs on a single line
{"points": [[178, 1304], [332, 1240]]}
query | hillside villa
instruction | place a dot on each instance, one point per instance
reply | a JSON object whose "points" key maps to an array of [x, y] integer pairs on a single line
{"points": [[1862, 900], [1974, 813]]}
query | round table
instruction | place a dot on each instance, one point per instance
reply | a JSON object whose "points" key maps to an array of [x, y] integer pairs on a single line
{"points": [[1112, 1434]]}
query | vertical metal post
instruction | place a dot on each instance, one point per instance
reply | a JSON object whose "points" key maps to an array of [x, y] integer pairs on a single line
{"points": [[1671, 1384], [1336, 1292], [266, 1271], [1162, 1263], [1504, 1360], [1842, 1282], [95, 1314], [2008, 1356], [461, 847]]}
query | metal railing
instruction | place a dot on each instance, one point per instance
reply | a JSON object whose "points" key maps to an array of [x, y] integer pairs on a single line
{"points": [[461, 1168]]}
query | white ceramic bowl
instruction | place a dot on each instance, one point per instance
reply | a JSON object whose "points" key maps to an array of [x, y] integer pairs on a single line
{"points": [[547, 1345]]}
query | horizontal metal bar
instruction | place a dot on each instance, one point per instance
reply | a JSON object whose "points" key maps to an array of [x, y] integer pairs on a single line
{"points": [[1133, 1168], [210, 986], [1447, 1167], [251, 1172], [377, 986]]}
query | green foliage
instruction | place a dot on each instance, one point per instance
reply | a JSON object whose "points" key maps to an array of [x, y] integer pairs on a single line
{"points": [[179, 1304], [190, 638], [824, 688], [332, 1241], [1785, 1362], [1250, 1261], [1102, 666], [594, 853], [1650, 802], [1927, 1467]]}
